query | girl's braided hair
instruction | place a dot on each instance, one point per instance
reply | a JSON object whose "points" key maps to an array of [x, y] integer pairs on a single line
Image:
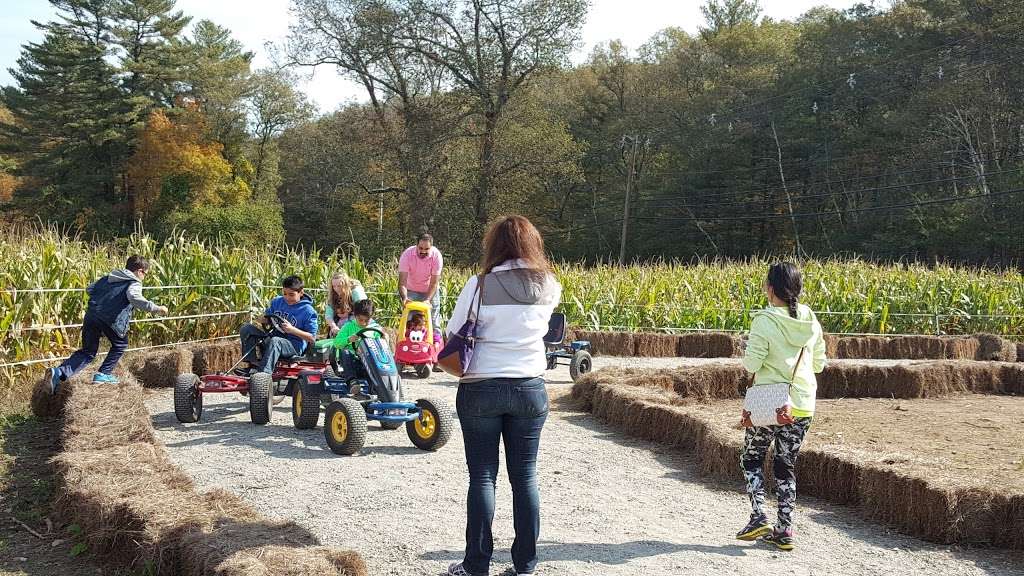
{"points": [[786, 282]]}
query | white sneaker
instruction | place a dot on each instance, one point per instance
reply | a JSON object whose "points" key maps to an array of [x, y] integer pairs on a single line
{"points": [[456, 569]]}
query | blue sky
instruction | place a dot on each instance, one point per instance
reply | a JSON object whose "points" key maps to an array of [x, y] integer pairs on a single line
{"points": [[256, 22]]}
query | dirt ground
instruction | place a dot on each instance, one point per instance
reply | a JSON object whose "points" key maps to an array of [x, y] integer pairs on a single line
{"points": [[26, 490], [611, 505]]}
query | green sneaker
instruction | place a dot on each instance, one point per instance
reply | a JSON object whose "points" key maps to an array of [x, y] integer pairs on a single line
{"points": [[783, 540], [756, 528]]}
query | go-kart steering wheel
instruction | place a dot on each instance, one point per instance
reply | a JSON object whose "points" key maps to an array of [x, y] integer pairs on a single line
{"points": [[363, 331], [277, 323]]}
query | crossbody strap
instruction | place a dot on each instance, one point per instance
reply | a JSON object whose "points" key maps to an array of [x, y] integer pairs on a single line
{"points": [[796, 366], [474, 315]]}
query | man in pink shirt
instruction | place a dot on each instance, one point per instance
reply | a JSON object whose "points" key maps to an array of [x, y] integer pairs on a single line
{"points": [[419, 274]]}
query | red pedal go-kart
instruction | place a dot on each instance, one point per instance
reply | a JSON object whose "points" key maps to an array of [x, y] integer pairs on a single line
{"points": [[264, 390]]}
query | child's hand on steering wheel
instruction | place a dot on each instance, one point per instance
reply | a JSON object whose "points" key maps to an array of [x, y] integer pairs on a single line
{"points": [[287, 327], [353, 339]]}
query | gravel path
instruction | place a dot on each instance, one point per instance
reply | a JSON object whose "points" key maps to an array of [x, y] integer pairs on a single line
{"points": [[611, 505]]}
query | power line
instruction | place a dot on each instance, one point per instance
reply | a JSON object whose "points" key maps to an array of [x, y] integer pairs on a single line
{"points": [[669, 204], [946, 200]]}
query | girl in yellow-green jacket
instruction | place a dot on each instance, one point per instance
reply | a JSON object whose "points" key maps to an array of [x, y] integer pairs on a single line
{"points": [[785, 346]]}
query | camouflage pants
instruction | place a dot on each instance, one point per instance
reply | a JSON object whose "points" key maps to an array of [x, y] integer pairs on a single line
{"points": [[787, 445]]}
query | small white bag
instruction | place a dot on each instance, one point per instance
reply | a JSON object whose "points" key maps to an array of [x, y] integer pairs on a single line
{"points": [[764, 402]]}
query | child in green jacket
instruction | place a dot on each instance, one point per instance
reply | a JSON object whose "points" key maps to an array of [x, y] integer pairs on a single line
{"points": [[347, 337], [783, 334]]}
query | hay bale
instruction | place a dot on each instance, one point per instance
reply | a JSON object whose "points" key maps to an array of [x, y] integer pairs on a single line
{"points": [[103, 415], [217, 356], [267, 548], [707, 345], [831, 345], [873, 347], [46, 405], [119, 495], [994, 348], [159, 368], [653, 345], [608, 343]]}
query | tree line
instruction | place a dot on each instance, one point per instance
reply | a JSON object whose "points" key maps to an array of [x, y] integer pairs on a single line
{"points": [[891, 133], [119, 117]]}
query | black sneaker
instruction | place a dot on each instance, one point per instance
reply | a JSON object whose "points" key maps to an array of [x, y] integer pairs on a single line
{"points": [[243, 371], [756, 528], [783, 540]]}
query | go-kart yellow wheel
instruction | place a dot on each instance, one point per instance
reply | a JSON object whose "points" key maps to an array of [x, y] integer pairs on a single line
{"points": [[434, 427], [305, 404], [345, 426]]}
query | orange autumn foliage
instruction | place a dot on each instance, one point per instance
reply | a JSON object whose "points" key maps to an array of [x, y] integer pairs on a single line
{"points": [[174, 154]]}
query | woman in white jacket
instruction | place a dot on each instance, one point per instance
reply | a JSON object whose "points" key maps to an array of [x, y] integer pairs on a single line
{"points": [[502, 396]]}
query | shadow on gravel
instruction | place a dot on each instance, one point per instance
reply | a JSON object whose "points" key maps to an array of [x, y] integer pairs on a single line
{"points": [[279, 439], [608, 554]]}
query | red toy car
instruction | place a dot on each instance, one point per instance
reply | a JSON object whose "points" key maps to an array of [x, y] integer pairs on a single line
{"points": [[417, 344]]}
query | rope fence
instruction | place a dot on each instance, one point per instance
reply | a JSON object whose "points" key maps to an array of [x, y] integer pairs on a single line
{"points": [[256, 304]]}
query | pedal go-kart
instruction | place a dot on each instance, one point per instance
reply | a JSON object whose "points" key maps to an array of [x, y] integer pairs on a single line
{"points": [[264, 390], [374, 395], [576, 352], [418, 349]]}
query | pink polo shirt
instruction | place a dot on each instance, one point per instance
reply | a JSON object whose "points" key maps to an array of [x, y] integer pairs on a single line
{"points": [[420, 269]]}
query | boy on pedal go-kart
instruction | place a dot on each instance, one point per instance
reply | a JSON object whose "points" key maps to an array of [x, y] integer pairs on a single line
{"points": [[300, 327], [347, 338]]}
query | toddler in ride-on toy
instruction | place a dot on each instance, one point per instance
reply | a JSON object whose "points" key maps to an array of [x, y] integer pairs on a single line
{"points": [[417, 329]]}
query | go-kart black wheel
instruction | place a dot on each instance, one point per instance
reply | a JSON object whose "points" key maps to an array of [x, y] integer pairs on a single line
{"points": [[434, 427], [581, 364], [345, 426], [552, 362], [423, 370], [399, 367], [188, 400], [261, 398], [305, 404]]}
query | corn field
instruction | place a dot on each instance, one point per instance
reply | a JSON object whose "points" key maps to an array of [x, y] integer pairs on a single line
{"points": [[221, 283]]}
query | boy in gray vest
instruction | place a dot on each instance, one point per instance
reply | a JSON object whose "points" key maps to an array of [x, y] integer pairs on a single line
{"points": [[112, 299]]}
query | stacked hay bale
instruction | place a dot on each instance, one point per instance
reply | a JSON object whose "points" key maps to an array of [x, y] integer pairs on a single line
{"points": [[726, 345], [158, 368], [217, 356], [138, 509]]}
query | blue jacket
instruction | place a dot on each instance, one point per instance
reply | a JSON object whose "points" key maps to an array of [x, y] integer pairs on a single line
{"points": [[302, 315], [113, 297]]}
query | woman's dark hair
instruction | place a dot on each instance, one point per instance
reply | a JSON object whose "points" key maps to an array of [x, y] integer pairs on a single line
{"points": [[363, 308], [786, 282], [514, 237]]}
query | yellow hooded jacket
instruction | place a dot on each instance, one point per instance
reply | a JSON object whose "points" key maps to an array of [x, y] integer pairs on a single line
{"points": [[774, 346]]}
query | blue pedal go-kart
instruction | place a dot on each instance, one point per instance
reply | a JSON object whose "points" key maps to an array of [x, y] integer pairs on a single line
{"points": [[577, 352], [373, 394]]}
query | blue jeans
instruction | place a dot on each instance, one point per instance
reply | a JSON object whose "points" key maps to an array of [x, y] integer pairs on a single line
{"points": [[513, 410], [92, 330], [273, 348]]}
